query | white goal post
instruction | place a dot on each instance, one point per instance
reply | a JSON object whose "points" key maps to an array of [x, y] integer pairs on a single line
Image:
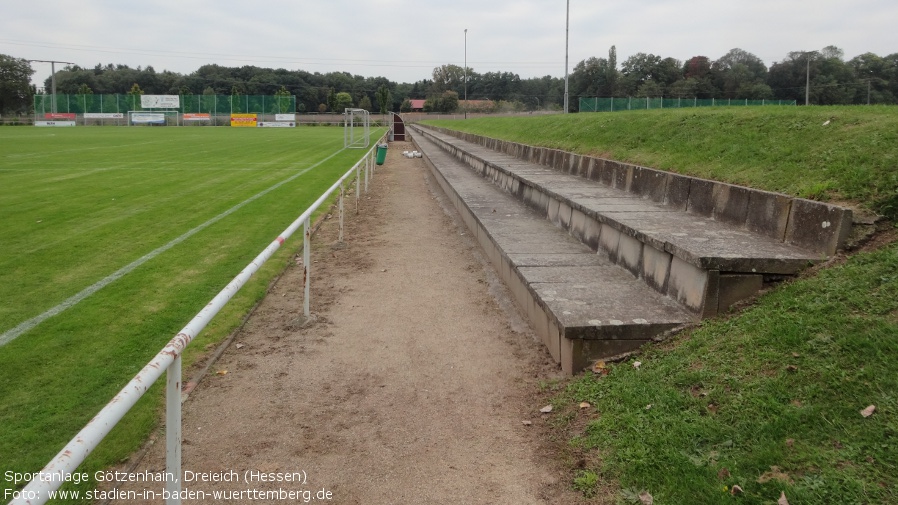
{"points": [[153, 117], [356, 128]]}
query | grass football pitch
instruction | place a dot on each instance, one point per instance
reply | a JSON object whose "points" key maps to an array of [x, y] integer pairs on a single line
{"points": [[130, 232]]}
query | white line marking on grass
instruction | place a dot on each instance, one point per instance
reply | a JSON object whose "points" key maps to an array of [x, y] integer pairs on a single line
{"points": [[79, 149], [25, 326]]}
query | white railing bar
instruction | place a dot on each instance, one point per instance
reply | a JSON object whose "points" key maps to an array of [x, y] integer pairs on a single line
{"points": [[52, 476]]}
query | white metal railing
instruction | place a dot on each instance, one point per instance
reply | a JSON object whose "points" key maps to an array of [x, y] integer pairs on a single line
{"points": [[168, 360]]}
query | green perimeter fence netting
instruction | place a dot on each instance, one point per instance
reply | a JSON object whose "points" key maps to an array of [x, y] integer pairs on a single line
{"points": [[210, 104], [634, 103]]}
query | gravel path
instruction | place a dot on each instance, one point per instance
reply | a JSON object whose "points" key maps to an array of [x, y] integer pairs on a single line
{"points": [[410, 385]]}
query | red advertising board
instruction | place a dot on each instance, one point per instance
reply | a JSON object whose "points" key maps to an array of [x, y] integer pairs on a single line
{"points": [[60, 115]]}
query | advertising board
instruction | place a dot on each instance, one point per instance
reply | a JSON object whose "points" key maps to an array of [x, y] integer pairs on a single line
{"points": [[244, 120], [160, 101], [54, 123], [277, 124], [104, 115], [147, 118]]}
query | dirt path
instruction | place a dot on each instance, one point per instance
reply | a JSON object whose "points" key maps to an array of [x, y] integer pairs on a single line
{"points": [[410, 388]]}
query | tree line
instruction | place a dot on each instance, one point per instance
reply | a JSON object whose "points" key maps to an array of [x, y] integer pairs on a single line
{"points": [[867, 78], [822, 77]]}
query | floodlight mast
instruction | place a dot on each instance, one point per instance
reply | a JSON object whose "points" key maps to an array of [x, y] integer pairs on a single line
{"points": [[807, 85], [567, 31], [52, 79], [466, 73]]}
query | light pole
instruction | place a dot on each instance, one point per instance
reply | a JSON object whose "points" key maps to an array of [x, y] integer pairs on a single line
{"points": [[466, 73], [52, 79], [567, 31], [807, 85]]}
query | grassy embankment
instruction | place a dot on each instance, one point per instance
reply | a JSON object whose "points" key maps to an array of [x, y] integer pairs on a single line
{"points": [[78, 204], [768, 400]]}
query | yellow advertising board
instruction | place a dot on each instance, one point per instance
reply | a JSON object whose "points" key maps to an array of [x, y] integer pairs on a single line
{"points": [[244, 120]]}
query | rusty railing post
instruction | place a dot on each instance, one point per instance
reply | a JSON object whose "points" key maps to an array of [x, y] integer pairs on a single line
{"points": [[306, 266], [173, 432]]}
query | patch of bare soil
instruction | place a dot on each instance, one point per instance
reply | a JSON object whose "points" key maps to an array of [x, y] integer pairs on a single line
{"points": [[411, 385]]}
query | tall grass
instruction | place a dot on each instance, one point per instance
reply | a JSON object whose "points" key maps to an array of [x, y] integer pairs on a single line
{"points": [[768, 400]]}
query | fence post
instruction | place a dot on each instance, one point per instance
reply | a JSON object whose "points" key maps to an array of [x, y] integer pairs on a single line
{"points": [[173, 431], [358, 178], [306, 265], [367, 169], [341, 212]]}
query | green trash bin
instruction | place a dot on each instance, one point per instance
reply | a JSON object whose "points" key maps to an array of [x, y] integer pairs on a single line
{"points": [[381, 153]]}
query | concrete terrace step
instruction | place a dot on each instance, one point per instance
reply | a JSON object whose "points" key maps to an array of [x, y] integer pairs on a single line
{"points": [[582, 305], [706, 244]]}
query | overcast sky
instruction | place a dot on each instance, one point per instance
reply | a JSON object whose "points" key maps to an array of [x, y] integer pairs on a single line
{"points": [[404, 40]]}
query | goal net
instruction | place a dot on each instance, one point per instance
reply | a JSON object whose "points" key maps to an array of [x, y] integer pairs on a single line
{"points": [[356, 128]]}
